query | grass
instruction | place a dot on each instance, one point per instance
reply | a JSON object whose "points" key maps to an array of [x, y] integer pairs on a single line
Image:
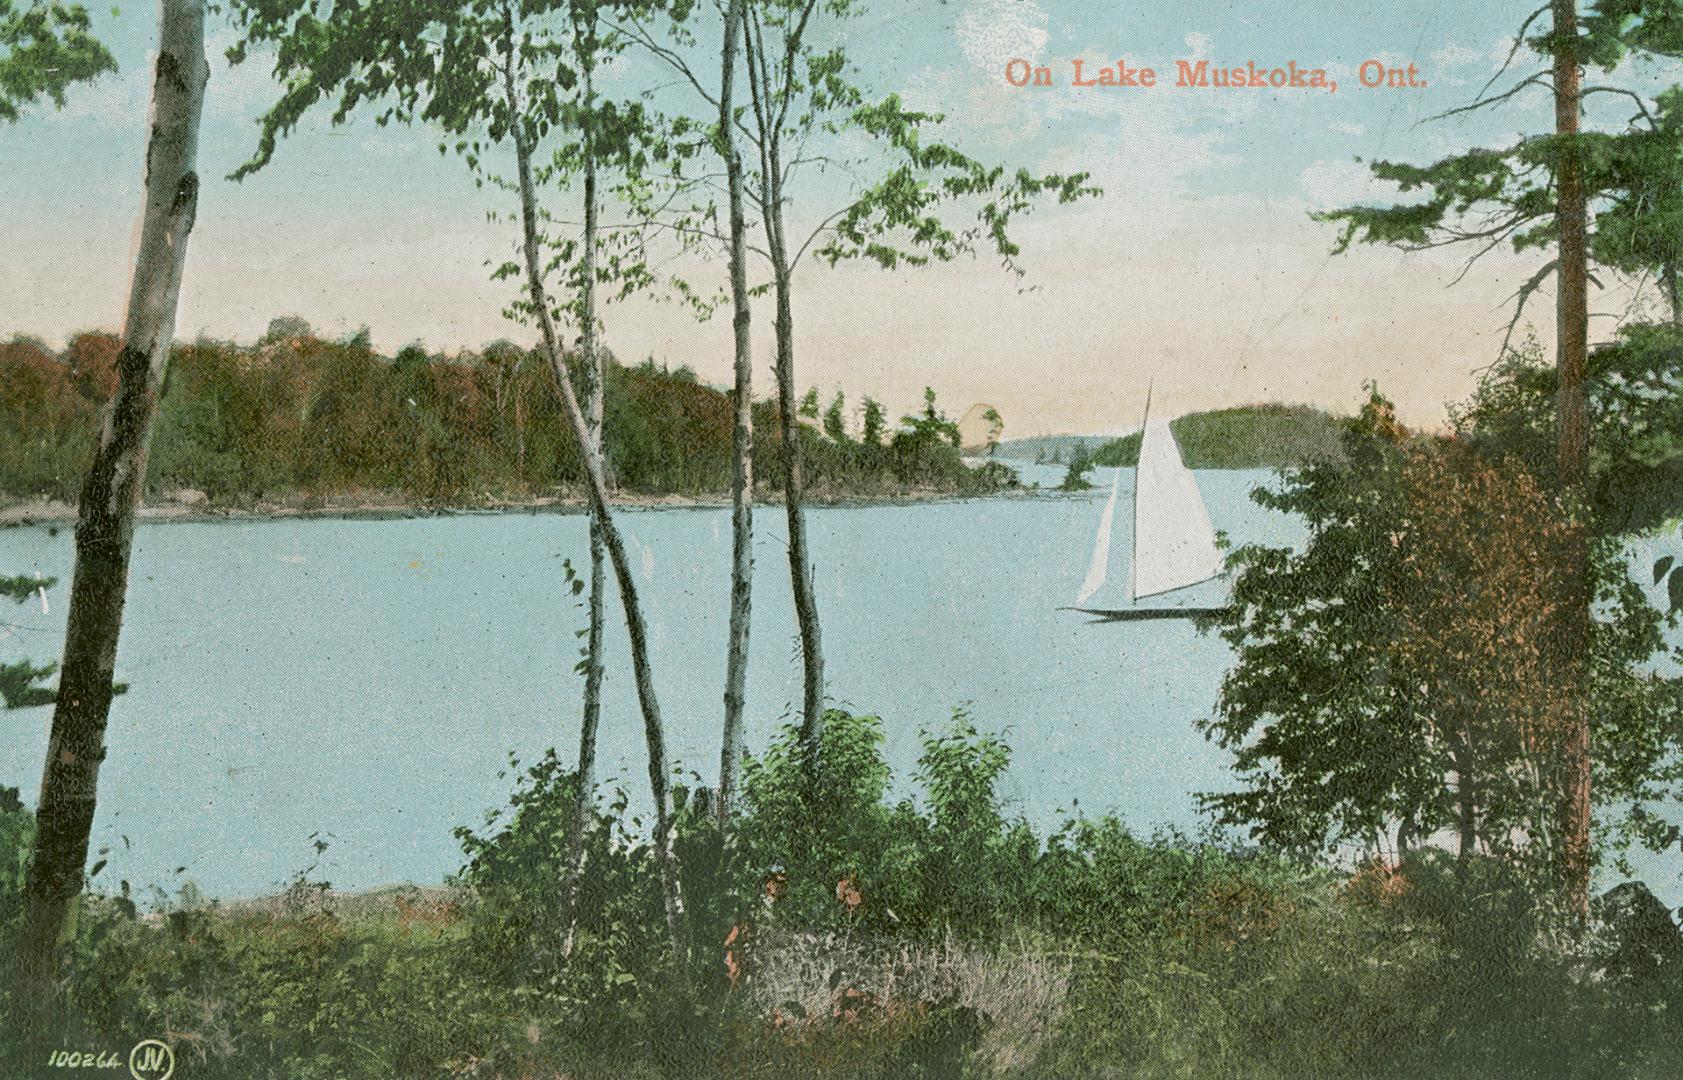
{"points": [[856, 937]]}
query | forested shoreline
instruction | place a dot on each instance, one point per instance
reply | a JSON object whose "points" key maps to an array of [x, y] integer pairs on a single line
{"points": [[298, 422]]}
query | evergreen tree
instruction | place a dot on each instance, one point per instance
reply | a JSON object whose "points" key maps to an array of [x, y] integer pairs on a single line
{"points": [[835, 423], [20, 680], [873, 423]]}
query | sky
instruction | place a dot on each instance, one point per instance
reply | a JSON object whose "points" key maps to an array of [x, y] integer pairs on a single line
{"points": [[1199, 272]]}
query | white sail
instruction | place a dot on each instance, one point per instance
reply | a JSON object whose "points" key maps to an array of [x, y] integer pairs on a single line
{"points": [[1174, 542], [1101, 547]]}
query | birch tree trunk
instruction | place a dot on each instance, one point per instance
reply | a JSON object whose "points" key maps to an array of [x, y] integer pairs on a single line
{"points": [[742, 439], [800, 559], [105, 524], [1572, 328], [800, 556], [666, 857], [590, 365]]}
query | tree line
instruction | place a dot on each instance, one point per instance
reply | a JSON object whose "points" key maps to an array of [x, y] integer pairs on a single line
{"points": [[297, 419]]}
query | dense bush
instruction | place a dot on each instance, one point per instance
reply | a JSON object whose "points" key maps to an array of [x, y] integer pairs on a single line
{"points": [[843, 933]]}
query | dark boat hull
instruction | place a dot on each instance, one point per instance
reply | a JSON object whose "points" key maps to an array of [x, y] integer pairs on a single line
{"points": [[1151, 614]]}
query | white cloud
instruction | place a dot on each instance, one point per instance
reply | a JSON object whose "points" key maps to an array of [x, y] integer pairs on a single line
{"points": [[994, 32], [1331, 184], [120, 100], [124, 100], [1346, 127], [1501, 50], [1453, 55]]}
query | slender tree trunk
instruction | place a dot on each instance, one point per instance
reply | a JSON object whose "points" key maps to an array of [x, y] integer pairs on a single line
{"points": [[519, 435], [577, 834], [742, 440], [800, 557], [1466, 799], [788, 420], [793, 487], [1406, 833], [105, 525], [590, 365], [1572, 319], [666, 856], [1673, 293]]}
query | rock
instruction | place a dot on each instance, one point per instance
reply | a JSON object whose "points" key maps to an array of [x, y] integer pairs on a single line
{"points": [[189, 497], [979, 428], [1639, 937]]}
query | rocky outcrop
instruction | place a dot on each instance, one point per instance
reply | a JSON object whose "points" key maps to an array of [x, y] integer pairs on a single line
{"points": [[979, 429]]}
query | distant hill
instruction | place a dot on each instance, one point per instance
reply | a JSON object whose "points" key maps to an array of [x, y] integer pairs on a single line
{"points": [[1055, 449], [1248, 437]]}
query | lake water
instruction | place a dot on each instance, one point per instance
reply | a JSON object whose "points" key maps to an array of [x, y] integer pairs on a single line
{"points": [[367, 680]]}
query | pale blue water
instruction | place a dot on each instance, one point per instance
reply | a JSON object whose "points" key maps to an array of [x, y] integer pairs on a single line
{"points": [[368, 679]]}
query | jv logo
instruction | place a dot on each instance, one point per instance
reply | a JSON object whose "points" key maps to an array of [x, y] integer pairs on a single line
{"points": [[151, 1060]]}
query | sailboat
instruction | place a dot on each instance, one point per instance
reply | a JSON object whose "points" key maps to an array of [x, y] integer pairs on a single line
{"points": [[1174, 542]]}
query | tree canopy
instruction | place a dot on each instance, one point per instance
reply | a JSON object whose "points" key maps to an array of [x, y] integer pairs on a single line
{"points": [[1413, 633], [1488, 197], [45, 47]]}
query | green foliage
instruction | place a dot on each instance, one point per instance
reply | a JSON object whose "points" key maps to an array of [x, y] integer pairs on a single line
{"points": [[513, 869], [835, 419], [1439, 968], [1340, 735], [872, 423], [996, 428], [918, 200], [45, 402], [45, 47], [816, 835], [920, 458], [1162, 956], [1634, 386], [296, 418], [20, 590], [975, 862], [1247, 437], [897, 221], [19, 684], [19, 679], [1639, 229], [1492, 197], [17, 840], [929, 428], [1080, 464]]}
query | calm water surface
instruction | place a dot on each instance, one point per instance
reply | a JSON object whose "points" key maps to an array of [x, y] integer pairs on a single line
{"points": [[368, 679]]}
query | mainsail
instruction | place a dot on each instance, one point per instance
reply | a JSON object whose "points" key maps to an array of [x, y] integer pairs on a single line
{"points": [[1174, 542]]}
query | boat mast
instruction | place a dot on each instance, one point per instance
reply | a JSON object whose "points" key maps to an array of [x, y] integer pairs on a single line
{"points": [[1134, 540]]}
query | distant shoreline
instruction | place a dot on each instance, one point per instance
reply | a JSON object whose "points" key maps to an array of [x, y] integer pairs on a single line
{"points": [[52, 512]]}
